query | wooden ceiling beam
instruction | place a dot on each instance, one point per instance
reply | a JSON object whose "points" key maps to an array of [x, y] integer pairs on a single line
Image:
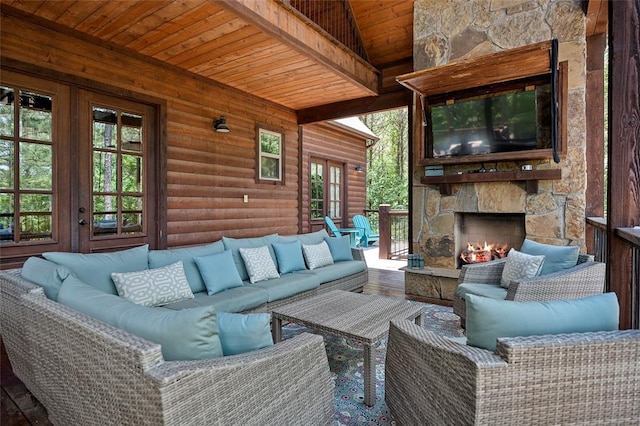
{"points": [[384, 101], [272, 18]]}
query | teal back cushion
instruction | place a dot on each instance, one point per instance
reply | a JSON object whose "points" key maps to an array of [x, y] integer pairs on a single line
{"points": [[47, 275], [289, 256], [235, 244], [241, 333], [187, 334], [218, 272], [310, 238], [488, 319], [340, 248], [95, 269], [556, 258], [159, 258]]}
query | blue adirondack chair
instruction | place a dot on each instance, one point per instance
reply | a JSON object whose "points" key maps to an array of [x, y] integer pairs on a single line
{"points": [[370, 235], [355, 234]]}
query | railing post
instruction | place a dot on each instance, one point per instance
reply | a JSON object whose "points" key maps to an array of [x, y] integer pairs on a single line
{"points": [[384, 229]]}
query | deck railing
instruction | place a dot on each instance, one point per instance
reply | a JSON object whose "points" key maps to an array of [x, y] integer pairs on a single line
{"points": [[393, 227], [631, 236]]}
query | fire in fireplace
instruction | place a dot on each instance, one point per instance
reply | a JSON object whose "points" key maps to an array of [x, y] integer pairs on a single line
{"points": [[475, 253]]}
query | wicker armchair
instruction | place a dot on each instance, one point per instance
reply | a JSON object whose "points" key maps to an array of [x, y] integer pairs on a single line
{"points": [[583, 378], [587, 278]]}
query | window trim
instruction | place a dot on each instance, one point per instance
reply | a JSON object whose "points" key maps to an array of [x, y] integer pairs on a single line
{"points": [[259, 154]]}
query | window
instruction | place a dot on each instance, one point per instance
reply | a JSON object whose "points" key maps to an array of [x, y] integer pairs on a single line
{"points": [[26, 166], [270, 155]]}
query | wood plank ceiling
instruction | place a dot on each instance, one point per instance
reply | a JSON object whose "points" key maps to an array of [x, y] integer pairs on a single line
{"points": [[256, 46]]}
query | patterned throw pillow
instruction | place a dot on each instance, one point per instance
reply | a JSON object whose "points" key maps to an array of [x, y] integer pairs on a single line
{"points": [[154, 287], [259, 264], [520, 266], [317, 255]]}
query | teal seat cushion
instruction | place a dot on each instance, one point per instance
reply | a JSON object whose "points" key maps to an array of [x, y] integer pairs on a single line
{"points": [[240, 333], [95, 269], [237, 299], [47, 275], [309, 239], [218, 272], [159, 258], [489, 319], [339, 270], [493, 291], [556, 258], [183, 335], [289, 256], [288, 285], [340, 248], [235, 244]]}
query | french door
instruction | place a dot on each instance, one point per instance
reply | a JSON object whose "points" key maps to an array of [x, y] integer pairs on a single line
{"points": [[76, 170], [116, 206], [326, 190]]}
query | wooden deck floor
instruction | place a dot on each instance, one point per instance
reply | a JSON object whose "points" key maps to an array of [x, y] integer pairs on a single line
{"points": [[19, 408]]}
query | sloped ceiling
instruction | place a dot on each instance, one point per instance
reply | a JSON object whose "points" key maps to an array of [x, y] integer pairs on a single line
{"points": [[257, 46]]}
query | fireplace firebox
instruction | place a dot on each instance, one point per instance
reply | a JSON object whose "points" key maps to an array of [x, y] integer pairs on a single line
{"points": [[504, 230]]}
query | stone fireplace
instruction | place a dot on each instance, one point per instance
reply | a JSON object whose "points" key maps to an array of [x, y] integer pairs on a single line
{"points": [[553, 211]]}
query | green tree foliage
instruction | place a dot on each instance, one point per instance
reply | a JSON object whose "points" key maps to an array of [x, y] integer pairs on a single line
{"points": [[387, 159]]}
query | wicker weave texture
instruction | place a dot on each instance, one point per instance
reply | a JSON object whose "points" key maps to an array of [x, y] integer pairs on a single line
{"points": [[86, 372], [587, 278], [363, 318], [584, 378]]}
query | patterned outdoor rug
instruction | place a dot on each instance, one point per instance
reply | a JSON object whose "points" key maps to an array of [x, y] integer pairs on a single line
{"points": [[345, 361]]}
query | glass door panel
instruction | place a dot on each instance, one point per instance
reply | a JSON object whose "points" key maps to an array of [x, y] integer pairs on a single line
{"points": [[119, 211]]}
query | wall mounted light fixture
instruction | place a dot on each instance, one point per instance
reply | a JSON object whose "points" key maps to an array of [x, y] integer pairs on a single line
{"points": [[220, 124], [359, 168]]}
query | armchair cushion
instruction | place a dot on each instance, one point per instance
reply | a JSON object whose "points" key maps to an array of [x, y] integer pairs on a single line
{"points": [[557, 258], [493, 291], [488, 319], [520, 266]]}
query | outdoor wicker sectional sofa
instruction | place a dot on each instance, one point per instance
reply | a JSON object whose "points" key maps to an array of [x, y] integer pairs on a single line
{"points": [[85, 371]]}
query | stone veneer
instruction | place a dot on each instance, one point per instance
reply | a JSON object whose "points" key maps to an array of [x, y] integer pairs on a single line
{"points": [[447, 30]]}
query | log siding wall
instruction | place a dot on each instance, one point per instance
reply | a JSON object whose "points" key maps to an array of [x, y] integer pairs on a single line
{"points": [[207, 173]]}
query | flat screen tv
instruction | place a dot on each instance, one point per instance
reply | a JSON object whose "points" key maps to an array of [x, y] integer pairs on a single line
{"points": [[517, 119]]}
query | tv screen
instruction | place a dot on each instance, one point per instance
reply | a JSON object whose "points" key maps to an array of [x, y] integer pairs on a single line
{"points": [[515, 120]]}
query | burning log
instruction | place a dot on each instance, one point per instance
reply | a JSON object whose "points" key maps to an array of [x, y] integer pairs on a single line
{"points": [[483, 253]]}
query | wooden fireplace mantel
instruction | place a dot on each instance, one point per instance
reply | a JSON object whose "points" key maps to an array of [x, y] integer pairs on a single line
{"points": [[531, 177]]}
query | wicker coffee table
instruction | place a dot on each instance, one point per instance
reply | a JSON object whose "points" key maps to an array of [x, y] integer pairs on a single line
{"points": [[356, 316]]}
